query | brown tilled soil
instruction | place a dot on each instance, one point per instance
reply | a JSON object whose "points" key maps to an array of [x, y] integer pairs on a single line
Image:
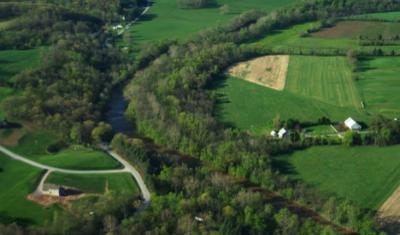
{"points": [[343, 29], [269, 71], [13, 138]]}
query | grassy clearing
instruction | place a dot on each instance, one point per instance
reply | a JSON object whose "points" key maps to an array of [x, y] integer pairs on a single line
{"points": [[17, 180], [327, 79], [122, 183], [165, 20], [34, 146], [379, 85], [366, 175]]}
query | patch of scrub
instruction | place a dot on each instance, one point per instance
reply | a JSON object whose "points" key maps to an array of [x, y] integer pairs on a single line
{"points": [[268, 71]]}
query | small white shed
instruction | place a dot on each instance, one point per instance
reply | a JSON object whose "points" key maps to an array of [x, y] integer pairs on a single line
{"points": [[282, 133], [352, 125]]}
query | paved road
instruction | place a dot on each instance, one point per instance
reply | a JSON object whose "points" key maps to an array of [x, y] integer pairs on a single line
{"points": [[127, 169]]}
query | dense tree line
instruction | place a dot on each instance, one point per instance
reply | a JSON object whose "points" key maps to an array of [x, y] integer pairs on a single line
{"points": [[43, 26]]}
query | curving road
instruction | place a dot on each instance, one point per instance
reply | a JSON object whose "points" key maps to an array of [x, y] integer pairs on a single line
{"points": [[128, 168]]}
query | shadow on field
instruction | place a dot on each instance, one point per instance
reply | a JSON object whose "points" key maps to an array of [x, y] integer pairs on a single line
{"points": [[218, 83], [281, 163], [4, 219]]}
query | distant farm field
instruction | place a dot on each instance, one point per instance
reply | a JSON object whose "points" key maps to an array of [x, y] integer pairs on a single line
{"points": [[165, 20], [379, 85], [365, 29], [311, 91], [366, 175], [17, 180], [121, 183], [387, 16]]}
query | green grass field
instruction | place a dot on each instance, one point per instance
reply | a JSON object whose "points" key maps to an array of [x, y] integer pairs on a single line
{"points": [[379, 85], [122, 183], [387, 16], [312, 92], [290, 40], [17, 180], [327, 79], [34, 146], [13, 62], [165, 20], [366, 175]]}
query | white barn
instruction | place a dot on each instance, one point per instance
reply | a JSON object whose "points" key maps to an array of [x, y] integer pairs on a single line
{"points": [[352, 125], [282, 132]]}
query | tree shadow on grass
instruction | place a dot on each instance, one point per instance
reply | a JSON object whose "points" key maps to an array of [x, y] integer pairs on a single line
{"points": [[5, 219]]}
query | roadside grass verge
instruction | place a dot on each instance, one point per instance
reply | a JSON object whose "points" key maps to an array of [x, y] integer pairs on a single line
{"points": [[365, 175]]}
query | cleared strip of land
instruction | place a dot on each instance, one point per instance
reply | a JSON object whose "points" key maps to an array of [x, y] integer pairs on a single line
{"points": [[268, 71]]}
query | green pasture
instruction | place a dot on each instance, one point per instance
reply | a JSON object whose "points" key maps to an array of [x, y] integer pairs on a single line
{"points": [[34, 146], [379, 85], [99, 183], [385, 16], [291, 40], [312, 91], [326, 79], [165, 20], [17, 180], [366, 175], [328, 40]]}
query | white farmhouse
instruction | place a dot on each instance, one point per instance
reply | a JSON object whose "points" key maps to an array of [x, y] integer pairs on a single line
{"points": [[352, 125], [282, 133]]}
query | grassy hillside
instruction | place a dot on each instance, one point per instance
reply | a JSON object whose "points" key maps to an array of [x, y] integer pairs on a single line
{"points": [[123, 183], [252, 107], [34, 146], [379, 85], [17, 180], [366, 175], [327, 79], [311, 91], [166, 21]]}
